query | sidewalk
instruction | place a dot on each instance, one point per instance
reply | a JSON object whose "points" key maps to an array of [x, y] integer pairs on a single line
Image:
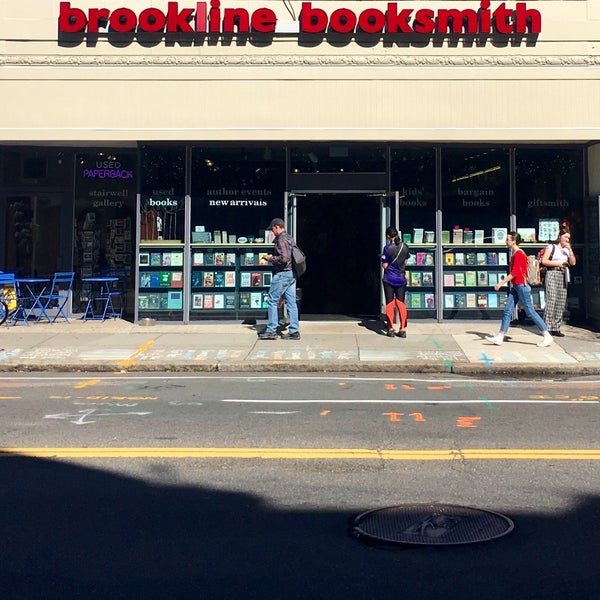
{"points": [[333, 346]]}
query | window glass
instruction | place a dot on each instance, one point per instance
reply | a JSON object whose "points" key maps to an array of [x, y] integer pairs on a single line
{"points": [[338, 158], [475, 189], [237, 189], [163, 193], [549, 187], [105, 193], [413, 176]]}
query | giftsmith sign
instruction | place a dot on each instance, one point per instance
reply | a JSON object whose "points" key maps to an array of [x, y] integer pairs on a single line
{"points": [[211, 18]]}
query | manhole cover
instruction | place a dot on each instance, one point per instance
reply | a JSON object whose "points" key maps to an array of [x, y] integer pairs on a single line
{"points": [[431, 525]]}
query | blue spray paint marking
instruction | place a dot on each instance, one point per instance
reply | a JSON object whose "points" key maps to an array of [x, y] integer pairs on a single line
{"points": [[448, 365], [434, 342], [487, 360], [488, 403]]}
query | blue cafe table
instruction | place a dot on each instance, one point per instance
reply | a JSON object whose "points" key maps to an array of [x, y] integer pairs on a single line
{"points": [[30, 292], [101, 299]]}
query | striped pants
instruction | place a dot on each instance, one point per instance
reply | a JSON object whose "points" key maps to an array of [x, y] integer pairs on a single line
{"points": [[556, 299]]}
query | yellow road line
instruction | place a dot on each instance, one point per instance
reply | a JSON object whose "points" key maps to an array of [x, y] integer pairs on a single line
{"points": [[88, 382], [309, 453]]}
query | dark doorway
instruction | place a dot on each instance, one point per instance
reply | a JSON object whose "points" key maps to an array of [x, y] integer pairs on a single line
{"points": [[39, 236], [340, 235]]}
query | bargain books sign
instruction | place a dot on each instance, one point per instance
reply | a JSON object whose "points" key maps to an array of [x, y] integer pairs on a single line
{"points": [[206, 18]]}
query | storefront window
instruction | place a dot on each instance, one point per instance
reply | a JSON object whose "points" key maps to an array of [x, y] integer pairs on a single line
{"points": [[105, 189], [413, 176], [237, 190], [338, 158], [163, 193], [475, 191], [549, 189]]}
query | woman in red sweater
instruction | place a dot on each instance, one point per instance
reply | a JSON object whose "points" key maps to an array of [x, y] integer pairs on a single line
{"points": [[519, 293]]}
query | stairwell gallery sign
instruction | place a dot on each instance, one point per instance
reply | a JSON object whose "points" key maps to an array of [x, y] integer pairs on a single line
{"points": [[207, 18]]}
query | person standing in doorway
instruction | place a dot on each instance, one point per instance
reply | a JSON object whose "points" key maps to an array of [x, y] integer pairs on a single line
{"points": [[393, 260], [283, 284], [519, 293], [557, 259]]}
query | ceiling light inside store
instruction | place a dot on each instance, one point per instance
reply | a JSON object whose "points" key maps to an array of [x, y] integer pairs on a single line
{"points": [[477, 173]]}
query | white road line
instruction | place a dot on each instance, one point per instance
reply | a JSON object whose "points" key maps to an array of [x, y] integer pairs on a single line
{"points": [[364, 401]]}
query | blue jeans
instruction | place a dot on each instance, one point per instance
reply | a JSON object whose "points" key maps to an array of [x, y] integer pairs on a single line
{"points": [[520, 294], [283, 284]]}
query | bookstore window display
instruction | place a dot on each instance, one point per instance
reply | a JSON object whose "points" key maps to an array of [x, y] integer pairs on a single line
{"points": [[475, 185], [413, 175], [229, 280], [161, 255], [550, 194], [235, 192], [160, 280]]}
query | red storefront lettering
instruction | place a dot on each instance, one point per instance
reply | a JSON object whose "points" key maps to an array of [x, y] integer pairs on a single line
{"points": [[202, 19]]}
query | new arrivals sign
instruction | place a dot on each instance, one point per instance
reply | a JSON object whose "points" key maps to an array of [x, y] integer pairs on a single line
{"points": [[212, 18]]}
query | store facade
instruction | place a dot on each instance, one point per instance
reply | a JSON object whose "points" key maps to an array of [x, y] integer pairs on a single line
{"points": [[155, 143]]}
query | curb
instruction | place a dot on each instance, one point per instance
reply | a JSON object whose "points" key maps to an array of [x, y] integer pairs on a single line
{"points": [[437, 367]]}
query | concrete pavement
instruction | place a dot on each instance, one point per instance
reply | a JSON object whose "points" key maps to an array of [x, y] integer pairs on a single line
{"points": [[326, 346]]}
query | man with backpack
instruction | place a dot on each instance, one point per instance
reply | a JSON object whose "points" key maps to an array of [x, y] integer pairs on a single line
{"points": [[283, 284]]}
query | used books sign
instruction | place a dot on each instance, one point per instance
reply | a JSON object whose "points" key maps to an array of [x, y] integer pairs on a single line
{"points": [[205, 18]]}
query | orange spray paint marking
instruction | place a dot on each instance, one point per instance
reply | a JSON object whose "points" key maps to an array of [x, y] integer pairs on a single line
{"points": [[324, 413], [390, 387], [342, 383], [405, 386], [394, 416], [438, 387], [418, 417], [467, 421]]}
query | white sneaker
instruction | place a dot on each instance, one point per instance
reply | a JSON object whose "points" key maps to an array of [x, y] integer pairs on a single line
{"points": [[496, 339], [546, 340]]}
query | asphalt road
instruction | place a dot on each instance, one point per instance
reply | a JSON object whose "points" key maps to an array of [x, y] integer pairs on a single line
{"points": [[127, 486]]}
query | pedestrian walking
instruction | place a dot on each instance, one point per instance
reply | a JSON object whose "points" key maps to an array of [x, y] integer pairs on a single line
{"points": [[283, 284], [393, 260], [557, 259], [518, 293]]}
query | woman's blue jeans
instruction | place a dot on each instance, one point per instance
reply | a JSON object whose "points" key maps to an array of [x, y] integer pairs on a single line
{"points": [[283, 284], [520, 294]]}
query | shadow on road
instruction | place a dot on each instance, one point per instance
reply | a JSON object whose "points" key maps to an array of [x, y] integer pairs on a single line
{"points": [[74, 532]]}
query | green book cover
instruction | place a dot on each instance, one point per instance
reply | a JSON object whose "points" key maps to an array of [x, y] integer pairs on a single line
{"points": [[164, 278]]}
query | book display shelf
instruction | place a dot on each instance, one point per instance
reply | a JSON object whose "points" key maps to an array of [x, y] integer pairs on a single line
{"points": [[470, 272], [229, 280], [420, 280], [160, 280], [457, 276]]}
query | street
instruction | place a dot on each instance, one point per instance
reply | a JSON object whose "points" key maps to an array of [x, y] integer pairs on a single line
{"points": [[212, 486]]}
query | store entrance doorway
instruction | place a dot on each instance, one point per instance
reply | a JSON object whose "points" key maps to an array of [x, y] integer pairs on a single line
{"points": [[341, 236]]}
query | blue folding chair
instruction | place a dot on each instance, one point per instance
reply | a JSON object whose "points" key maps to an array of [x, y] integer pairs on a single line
{"points": [[60, 290]]}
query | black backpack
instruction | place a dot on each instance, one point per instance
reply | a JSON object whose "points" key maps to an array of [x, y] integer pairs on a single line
{"points": [[298, 261]]}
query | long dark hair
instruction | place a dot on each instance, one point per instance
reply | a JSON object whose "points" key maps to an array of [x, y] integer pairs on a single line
{"points": [[392, 232]]}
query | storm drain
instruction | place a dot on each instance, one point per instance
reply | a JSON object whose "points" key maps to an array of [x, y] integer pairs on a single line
{"points": [[431, 525]]}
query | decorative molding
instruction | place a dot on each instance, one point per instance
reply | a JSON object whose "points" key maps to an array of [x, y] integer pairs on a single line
{"points": [[278, 60]]}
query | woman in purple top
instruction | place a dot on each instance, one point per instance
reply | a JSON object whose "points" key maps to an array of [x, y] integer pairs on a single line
{"points": [[393, 260]]}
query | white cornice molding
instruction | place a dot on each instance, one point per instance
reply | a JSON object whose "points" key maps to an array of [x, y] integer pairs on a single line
{"points": [[383, 60]]}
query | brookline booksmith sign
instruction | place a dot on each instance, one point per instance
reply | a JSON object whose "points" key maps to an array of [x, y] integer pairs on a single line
{"points": [[214, 17]]}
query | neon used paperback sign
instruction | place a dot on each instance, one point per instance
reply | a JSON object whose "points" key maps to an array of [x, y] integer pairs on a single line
{"points": [[212, 18]]}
